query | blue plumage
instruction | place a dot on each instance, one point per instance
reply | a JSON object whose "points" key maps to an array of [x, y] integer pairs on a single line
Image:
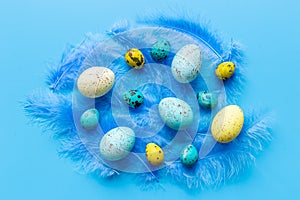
{"points": [[57, 108]]}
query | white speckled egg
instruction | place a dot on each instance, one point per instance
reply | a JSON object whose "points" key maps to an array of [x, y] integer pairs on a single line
{"points": [[176, 113], [187, 63], [117, 143], [227, 124], [95, 81]]}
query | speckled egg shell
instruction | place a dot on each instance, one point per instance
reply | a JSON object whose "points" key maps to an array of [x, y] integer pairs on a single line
{"points": [[134, 98], [207, 99], [89, 119], [187, 63], [154, 154], [189, 155], [176, 113], [227, 124], [95, 81], [160, 50], [225, 70], [135, 58], [117, 143]]}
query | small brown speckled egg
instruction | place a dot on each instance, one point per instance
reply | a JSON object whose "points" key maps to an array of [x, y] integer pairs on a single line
{"points": [[117, 143], [95, 81], [227, 124], [187, 63], [176, 113]]}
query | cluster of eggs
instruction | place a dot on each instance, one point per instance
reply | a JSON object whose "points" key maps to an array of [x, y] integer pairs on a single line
{"points": [[117, 143]]}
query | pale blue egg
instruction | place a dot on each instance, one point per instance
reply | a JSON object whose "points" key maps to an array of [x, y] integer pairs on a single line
{"points": [[89, 119], [186, 63], [117, 143], [176, 113]]}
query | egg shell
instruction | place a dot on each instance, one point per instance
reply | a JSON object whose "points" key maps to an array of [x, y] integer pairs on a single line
{"points": [[225, 70], [227, 124], [176, 113], [154, 154], [135, 58], [117, 143], [189, 155], [207, 99], [160, 50], [187, 63], [134, 98], [95, 81], [89, 119]]}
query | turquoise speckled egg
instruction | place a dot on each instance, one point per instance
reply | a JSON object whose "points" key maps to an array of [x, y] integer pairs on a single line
{"points": [[160, 50], [189, 155], [207, 99], [134, 98], [89, 119], [117, 143], [176, 113]]}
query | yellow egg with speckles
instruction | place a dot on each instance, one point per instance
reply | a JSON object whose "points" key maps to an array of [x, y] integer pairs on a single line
{"points": [[225, 70], [154, 154], [135, 58], [227, 124]]}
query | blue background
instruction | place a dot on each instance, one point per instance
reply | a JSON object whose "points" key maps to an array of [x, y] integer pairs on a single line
{"points": [[34, 33]]}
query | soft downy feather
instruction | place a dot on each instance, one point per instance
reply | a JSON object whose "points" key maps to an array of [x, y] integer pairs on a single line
{"points": [[52, 110]]}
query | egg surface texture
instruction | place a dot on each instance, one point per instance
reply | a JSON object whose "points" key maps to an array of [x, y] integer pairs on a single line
{"points": [[225, 70], [227, 124], [135, 58], [134, 98], [117, 143], [89, 119], [187, 63], [175, 113], [160, 50], [207, 99], [189, 155], [154, 154], [95, 81]]}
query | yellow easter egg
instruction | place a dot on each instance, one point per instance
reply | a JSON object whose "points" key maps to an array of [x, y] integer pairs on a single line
{"points": [[227, 124], [225, 70], [135, 58], [154, 154]]}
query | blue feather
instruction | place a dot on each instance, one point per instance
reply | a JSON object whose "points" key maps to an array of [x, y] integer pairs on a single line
{"points": [[73, 148], [119, 27], [201, 31], [54, 110], [50, 111], [227, 161], [62, 77]]}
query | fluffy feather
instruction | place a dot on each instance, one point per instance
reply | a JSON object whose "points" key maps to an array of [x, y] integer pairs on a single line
{"points": [[61, 77], [226, 161], [201, 31], [53, 110]]}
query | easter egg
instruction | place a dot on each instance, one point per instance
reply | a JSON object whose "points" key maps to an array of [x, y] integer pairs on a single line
{"points": [[207, 99], [175, 113], [117, 143], [227, 124], [154, 154], [187, 63], [95, 81], [134, 98], [160, 50], [89, 119], [135, 58], [189, 155], [225, 70]]}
